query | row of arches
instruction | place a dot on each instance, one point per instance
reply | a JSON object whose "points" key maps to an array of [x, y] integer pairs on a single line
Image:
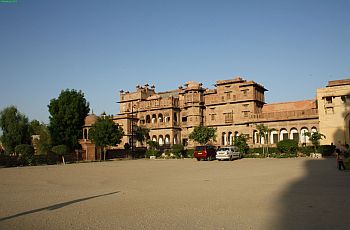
{"points": [[274, 136], [158, 118], [164, 140], [228, 138]]}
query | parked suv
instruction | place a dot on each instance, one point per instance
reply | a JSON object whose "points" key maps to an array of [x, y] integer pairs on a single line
{"points": [[228, 153], [207, 152]]}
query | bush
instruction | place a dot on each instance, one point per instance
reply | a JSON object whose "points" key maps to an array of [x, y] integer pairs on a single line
{"points": [[288, 146], [326, 150], [178, 150], [306, 150], [153, 152], [60, 150], [270, 150], [188, 153], [25, 154]]}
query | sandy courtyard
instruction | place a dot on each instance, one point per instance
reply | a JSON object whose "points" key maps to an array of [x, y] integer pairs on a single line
{"points": [[177, 194]]}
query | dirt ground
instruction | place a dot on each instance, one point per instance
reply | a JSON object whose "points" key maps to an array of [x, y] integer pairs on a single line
{"points": [[269, 194]]}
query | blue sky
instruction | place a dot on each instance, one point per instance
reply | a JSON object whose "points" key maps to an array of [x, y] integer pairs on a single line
{"points": [[100, 47]]}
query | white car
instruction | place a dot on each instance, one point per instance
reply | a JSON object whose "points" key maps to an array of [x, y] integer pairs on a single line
{"points": [[228, 153]]}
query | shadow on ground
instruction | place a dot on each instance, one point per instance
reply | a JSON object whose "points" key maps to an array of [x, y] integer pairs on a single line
{"points": [[56, 206], [321, 200]]}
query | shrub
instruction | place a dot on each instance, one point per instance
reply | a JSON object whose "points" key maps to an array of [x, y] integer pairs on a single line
{"points": [[25, 154], [306, 150], [326, 150], [188, 153], [288, 146], [178, 150], [60, 150], [153, 152]]}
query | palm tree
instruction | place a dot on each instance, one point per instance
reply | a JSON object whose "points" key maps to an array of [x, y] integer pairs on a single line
{"points": [[264, 132]]}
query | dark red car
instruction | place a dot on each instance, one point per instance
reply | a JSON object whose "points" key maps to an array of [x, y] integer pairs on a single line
{"points": [[207, 152]]}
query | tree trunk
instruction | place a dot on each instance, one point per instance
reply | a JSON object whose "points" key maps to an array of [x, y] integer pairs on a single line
{"points": [[104, 153]]}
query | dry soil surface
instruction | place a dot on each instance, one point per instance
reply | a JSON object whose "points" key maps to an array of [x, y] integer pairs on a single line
{"points": [[268, 194]]}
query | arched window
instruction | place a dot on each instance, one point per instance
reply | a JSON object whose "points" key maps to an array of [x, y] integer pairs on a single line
{"points": [[230, 138], [167, 139], [154, 138], [313, 130], [283, 134], [303, 138], [160, 140], [85, 136], [160, 118], [148, 119], [273, 136], [224, 139], [154, 118], [294, 134], [255, 137]]}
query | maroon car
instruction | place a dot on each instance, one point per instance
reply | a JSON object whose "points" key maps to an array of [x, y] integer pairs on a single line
{"points": [[207, 152]]}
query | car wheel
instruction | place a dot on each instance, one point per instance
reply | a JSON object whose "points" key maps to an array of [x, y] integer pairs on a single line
{"points": [[198, 159]]}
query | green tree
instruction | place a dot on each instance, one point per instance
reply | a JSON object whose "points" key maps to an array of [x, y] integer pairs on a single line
{"points": [[264, 132], [315, 138], [241, 142], [25, 154], [67, 114], [153, 149], [105, 133], [15, 128], [61, 150], [202, 134], [141, 133], [44, 143], [34, 127]]}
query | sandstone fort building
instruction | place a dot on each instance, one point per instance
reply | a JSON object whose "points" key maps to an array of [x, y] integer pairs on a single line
{"points": [[233, 107]]}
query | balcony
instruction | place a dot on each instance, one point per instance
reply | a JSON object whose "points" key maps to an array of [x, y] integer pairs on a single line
{"points": [[285, 115]]}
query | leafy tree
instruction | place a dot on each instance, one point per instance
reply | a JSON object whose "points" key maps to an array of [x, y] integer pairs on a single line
{"points": [[15, 128], [61, 150], [153, 145], [202, 134], [141, 133], [263, 132], [241, 142], [105, 133], [43, 143], [315, 138], [34, 127], [153, 149], [67, 114], [25, 154]]}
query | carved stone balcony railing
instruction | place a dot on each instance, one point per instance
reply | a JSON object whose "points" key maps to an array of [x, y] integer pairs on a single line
{"points": [[286, 115]]}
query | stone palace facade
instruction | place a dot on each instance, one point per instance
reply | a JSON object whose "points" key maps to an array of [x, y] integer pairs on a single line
{"points": [[233, 107]]}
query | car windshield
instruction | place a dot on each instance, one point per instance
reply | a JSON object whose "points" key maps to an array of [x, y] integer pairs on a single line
{"points": [[224, 149], [200, 148]]}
